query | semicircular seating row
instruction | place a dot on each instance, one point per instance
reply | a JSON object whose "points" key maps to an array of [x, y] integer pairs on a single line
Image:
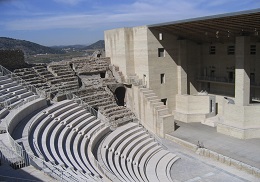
{"points": [[131, 154], [61, 134], [12, 93], [64, 134]]}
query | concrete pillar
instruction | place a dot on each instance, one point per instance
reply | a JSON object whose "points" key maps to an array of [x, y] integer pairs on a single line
{"points": [[242, 72], [182, 67]]}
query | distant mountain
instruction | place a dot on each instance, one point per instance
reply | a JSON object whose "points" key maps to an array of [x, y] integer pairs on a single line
{"points": [[29, 48], [97, 45], [69, 46]]}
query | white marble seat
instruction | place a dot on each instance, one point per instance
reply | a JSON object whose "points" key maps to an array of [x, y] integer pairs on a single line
{"points": [[9, 85], [162, 167], [105, 147], [94, 139], [138, 146], [127, 150], [111, 151], [14, 88], [120, 149], [139, 155], [62, 148], [151, 166], [70, 133], [146, 156]]}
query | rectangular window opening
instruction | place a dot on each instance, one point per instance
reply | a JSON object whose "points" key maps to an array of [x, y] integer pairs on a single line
{"points": [[161, 52], [162, 78], [231, 50], [160, 36], [164, 101], [212, 50], [252, 49]]}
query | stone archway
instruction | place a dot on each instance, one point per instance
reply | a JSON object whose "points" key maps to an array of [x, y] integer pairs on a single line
{"points": [[120, 95], [119, 91]]}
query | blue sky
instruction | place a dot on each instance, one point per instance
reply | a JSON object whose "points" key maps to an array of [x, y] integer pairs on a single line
{"points": [[67, 22]]}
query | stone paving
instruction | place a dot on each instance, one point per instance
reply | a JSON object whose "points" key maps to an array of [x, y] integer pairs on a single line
{"points": [[246, 151], [28, 173], [193, 167]]}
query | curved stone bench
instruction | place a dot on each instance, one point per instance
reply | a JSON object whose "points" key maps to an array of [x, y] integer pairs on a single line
{"points": [[69, 143], [78, 140], [14, 88], [9, 85], [119, 150], [164, 165], [45, 121], [132, 154], [111, 138], [93, 145], [56, 131], [49, 129], [142, 166], [151, 166], [127, 150], [18, 92], [114, 146], [139, 155], [62, 148], [5, 80]]}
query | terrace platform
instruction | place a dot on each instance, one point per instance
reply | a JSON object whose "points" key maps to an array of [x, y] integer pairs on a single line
{"points": [[246, 151]]}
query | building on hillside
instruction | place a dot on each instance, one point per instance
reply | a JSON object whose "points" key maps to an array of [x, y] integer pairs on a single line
{"points": [[203, 69]]}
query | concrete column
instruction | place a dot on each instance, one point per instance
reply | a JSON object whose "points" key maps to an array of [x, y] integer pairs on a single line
{"points": [[182, 67], [242, 72]]}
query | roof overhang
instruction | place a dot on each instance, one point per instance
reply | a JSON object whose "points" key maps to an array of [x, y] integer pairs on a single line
{"points": [[219, 28]]}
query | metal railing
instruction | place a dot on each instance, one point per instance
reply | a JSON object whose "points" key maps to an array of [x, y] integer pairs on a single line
{"points": [[20, 81], [215, 79], [52, 170], [77, 99], [18, 106], [104, 124]]}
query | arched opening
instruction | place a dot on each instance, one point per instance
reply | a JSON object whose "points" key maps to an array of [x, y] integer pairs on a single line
{"points": [[120, 95], [102, 74]]}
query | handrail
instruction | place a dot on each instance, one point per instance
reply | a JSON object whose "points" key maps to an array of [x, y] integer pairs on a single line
{"points": [[106, 123], [33, 160], [22, 82]]}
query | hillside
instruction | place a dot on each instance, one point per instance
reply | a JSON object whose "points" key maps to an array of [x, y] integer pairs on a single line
{"points": [[97, 45], [29, 48]]}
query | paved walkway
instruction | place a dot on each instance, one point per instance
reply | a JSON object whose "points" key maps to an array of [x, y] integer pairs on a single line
{"points": [[246, 151], [26, 174]]}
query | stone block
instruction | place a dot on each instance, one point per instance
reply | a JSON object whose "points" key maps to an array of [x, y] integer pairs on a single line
{"points": [[247, 168], [221, 158], [235, 163], [227, 160], [214, 155]]}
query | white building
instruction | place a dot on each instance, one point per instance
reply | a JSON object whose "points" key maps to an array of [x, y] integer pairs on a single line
{"points": [[203, 69]]}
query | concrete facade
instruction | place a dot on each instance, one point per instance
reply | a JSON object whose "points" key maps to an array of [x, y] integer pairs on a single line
{"points": [[196, 80]]}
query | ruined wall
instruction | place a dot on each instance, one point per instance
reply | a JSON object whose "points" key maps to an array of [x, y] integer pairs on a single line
{"points": [[119, 47], [12, 59]]}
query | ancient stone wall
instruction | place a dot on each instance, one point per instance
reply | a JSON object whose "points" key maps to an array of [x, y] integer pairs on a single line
{"points": [[12, 59]]}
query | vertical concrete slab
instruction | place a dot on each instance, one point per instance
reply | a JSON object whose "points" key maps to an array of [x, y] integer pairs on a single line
{"points": [[182, 67], [242, 79]]}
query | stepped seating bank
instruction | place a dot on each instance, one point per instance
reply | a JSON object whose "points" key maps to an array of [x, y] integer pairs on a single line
{"points": [[74, 145]]}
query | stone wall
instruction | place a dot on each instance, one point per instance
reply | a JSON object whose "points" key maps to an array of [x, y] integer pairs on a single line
{"points": [[12, 59]]}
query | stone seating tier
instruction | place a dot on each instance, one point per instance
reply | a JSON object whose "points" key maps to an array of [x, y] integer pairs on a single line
{"points": [[56, 128]]}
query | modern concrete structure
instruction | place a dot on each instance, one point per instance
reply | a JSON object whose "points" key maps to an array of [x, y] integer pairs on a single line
{"points": [[203, 69]]}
